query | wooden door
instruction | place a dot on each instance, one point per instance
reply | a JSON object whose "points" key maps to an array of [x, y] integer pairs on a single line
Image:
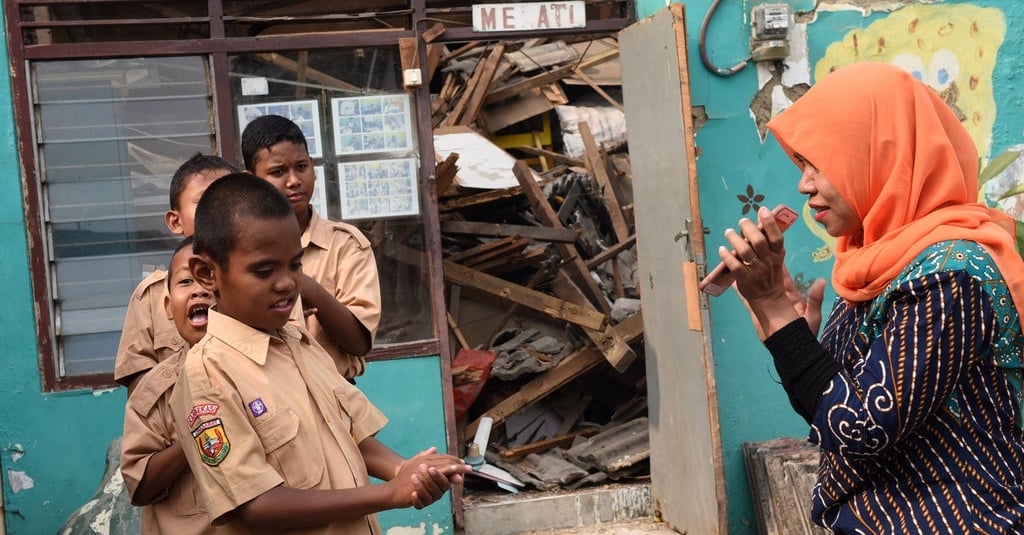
{"points": [[688, 483]]}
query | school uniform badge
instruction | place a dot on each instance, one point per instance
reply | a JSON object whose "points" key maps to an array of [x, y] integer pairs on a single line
{"points": [[212, 440]]}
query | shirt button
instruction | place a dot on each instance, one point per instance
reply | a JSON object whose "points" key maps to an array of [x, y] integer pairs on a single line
{"points": [[167, 373]]}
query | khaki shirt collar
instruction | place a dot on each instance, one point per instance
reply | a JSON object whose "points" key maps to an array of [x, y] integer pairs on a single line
{"points": [[251, 342], [316, 233]]}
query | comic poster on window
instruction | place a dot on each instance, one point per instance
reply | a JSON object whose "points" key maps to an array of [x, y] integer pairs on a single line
{"points": [[377, 123], [378, 188], [304, 113]]}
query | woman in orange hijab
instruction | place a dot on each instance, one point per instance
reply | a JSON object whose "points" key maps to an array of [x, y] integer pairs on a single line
{"points": [[913, 391]]}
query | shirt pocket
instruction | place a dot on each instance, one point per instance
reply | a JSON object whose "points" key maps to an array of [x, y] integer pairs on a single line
{"points": [[292, 450], [345, 416]]}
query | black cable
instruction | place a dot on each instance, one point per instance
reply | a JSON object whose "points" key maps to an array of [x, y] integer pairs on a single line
{"points": [[718, 71]]}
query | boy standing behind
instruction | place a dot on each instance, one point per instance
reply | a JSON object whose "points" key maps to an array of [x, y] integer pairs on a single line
{"points": [[148, 337], [152, 461], [276, 438], [341, 286]]}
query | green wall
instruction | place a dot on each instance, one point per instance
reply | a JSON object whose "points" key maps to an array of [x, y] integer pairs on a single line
{"points": [[752, 405]]}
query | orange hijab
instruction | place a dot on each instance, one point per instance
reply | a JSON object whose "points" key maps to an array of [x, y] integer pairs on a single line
{"points": [[906, 166]]}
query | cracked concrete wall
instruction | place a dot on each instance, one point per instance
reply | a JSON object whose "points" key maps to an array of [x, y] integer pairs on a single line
{"points": [[966, 50]]}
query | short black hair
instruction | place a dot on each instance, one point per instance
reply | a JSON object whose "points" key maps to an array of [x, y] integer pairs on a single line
{"points": [[187, 242], [198, 163], [266, 131], [225, 203]]}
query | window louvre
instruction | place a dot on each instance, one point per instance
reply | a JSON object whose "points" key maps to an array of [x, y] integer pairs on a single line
{"points": [[110, 134]]}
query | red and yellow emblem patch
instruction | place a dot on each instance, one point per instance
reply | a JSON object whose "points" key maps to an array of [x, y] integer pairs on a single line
{"points": [[212, 441]]}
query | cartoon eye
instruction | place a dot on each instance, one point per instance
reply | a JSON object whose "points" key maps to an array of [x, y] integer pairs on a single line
{"points": [[912, 64], [944, 69]]}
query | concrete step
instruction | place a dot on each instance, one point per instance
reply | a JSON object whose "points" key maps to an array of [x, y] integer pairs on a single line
{"points": [[621, 509]]}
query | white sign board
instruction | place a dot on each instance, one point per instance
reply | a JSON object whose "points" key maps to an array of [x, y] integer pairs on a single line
{"points": [[529, 16]]}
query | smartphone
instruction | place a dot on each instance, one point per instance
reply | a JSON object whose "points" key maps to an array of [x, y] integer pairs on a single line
{"points": [[720, 279]]}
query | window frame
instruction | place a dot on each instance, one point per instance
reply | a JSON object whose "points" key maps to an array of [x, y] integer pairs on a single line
{"points": [[217, 47]]}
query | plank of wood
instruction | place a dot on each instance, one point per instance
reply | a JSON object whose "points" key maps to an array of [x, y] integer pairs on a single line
{"points": [[445, 173], [546, 214], [531, 257], [458, 333], [521, 86], [615, 350], [611, 252], [486, 197], [557, 156], [407, 53], [559, 441], [539, 301], [547, 382], [599, 170], [453, 116], [539, 276], [460, 51], [532, 103], [433, 33], [495, 230], [482, 86], [598, 89], [495, 248]]}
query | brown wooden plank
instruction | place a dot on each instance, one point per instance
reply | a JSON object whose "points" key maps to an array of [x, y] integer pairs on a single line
{"points": [[598, 89], [537, 151], [460, 106], [559, 441], [611, 252], [479, 198], [507, 246], [547, 382], [460, 51], [482, 86], [546, 214], [521, 86], [539, 301], [615, 350], [458, 332], [483, 248], [521, 260], [445, 173], [494, 230], [433, 32], [599, 170], [407, 53]]}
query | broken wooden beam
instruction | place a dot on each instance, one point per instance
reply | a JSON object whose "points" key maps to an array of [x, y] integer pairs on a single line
{"points": [[539, 301], [497, 230], [611, 252], [599, 170], [547, 382], [546, 214], [615, 350], [559, 441]]}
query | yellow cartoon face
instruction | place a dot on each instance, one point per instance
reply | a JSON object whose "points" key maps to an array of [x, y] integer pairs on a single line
{"points": [[952, 48]]}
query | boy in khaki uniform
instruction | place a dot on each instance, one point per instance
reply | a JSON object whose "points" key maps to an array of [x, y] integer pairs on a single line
{"points": [[276, 438], [342, 289], [152, 462], [148, 337]]}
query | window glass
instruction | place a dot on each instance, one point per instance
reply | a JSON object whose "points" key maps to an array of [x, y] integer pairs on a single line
{"points": [[110, 134], [360, 129]]}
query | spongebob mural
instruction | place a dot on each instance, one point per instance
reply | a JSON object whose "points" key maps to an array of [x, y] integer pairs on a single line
{"points": [[953, 49]]}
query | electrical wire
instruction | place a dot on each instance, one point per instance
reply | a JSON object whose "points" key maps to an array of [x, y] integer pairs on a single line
{"points": [[702, 42]]}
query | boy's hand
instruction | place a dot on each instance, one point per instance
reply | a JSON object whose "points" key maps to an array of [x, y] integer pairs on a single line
{"points": [[425, 478]]}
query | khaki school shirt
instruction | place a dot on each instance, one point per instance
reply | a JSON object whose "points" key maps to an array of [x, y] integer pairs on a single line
{"points": [[257, 410], [149, 429], [147, 337], [339, 257]]}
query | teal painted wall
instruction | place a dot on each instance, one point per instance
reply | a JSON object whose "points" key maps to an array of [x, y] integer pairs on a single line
{"points": [[59, 441], [752, 405]]}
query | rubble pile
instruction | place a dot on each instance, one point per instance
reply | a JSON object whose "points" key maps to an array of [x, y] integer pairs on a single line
{"points": [[536, 215]]}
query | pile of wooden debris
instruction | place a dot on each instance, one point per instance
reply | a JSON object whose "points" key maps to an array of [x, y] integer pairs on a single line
{"points": [[540, 262]]}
